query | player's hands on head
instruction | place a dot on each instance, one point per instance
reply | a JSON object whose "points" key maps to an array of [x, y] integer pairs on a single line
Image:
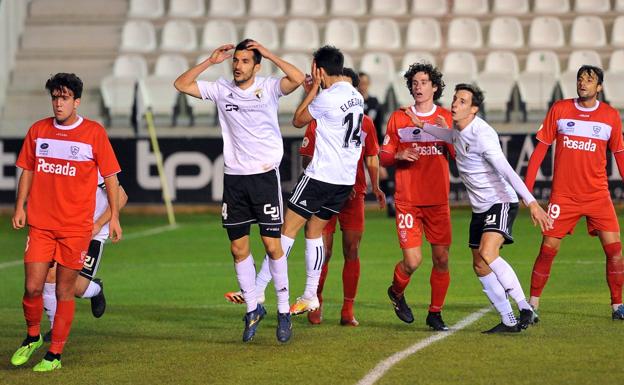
{"points": [[221, 53], [540, 217], [307, 83], [316, 76], [417, 122], [259, 47], [19, 218]]}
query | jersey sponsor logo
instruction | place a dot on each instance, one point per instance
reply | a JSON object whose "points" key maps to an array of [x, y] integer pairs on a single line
{"points": [[55, 168], [272, 211], [304, 203], [231, 107], [579, 144], [429, 150], [305, 142], [570, 124], [44, 146], [490, 220]]}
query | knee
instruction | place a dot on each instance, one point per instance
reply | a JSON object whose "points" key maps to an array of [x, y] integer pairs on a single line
{"points": [[481, 269], [411, 266], [440, 261], [350, 251], [33, 290], [239, 252], [274, 251]]}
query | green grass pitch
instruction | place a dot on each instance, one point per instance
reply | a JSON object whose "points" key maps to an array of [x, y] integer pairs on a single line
{"points": [[168, 323]]}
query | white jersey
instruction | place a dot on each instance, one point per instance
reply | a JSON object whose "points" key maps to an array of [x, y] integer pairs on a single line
{"points": [[101, 204], [485, 185], [252, 141], [338, 111]]}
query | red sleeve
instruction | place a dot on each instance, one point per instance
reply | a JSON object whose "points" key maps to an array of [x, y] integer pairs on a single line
{"points": [[104, 155], [534, 164], [390, 143], [619, 159], [309, 138], [616, 144], [371, 145], [26, 158], [547, 132]]}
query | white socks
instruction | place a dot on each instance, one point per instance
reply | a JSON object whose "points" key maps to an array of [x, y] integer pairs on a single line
{"points": [[49, 301], [497, 296], [92, 290], [314, 256], [246, 275], [507, 277], [279, 271]]}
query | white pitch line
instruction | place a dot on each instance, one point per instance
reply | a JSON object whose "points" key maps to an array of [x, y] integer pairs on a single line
{"points": [[138, 234], [385, 365]]}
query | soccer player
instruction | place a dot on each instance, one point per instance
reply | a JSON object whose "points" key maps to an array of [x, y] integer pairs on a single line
{"points": [[372, 107], [584, 129], [490, 182], [252, 151], [60, 159], [422, 190], [87, 286]]}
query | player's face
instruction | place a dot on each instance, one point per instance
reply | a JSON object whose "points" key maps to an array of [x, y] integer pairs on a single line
{"points": [[243, 66], [364, 83], [422, 88], [587, 86], [462, 107], [64, 104]]}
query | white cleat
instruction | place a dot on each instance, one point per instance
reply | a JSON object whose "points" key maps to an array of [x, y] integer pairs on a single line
{"points": [[303, 305]]}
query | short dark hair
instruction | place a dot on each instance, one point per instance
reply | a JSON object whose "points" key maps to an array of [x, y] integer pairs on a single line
{"points": [[329, 58], [477, 94], [64, 80], [243, 46], [591, 70], [355, 79], [434, 75]]}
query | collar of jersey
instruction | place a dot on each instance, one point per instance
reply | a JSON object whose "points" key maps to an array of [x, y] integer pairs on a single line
{"points": [[586, 109], [429, 113], [251, 88], [78, 123]]}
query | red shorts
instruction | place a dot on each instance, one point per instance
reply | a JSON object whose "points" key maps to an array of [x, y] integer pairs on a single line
{"points": [[68, 248], [566, 212], [410, 221], [351, 216]]}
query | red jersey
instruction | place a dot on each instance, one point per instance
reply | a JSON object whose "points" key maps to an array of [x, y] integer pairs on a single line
{"points": [[65, 162], [424, 182], [583, 136], [369, 139]]}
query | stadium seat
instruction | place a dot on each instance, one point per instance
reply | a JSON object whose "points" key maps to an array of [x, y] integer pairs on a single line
{"points": [[382, 34], [380, 68], [118, 89], [592, 6], [148, 9], [470, 7], [618, 6], [218, 32], [505, 33], [616, 62], [156, 89], [429, 7], [308, 8], [416, 57], [187, 8], [349, 8], [537, 82], [567, 82], [342, 33], [264, 31], [423, 33], [402, 94], [267, 8], [227, 9], [510, 7], [301, 35], [550, 7], [546, 32], [497, 80], [179, 36], [130, 65], [464, 33], [617, 33], [138, 36], [348, 61], [614, 78], [300, 60], [458, 67], [388, 7], [588, 32]]}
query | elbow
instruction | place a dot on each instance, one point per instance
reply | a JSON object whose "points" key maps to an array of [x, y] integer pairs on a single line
{"points": [[177, 84], [297, 122]]}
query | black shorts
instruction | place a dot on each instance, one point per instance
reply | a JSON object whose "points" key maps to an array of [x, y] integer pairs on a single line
{"points": [[92, 260], [313, 197], [499, 218], [251, 199]]}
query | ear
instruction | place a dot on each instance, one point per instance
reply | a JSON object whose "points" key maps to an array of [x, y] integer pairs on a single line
{"points": [[474, 110], [257, 68], [76, 103], [599, 88]]}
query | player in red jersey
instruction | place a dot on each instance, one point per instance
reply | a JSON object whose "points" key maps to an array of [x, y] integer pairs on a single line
{"points": [[60, 159], [351, 215], [422, 190], [584, 129]]}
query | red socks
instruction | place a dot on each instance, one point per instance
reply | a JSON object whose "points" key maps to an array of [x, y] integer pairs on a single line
{"points": [[541, 270], [319, 290], [439, 286], [33, 308], [615, 270], [62, 325], [401, 279], [350, 278]]}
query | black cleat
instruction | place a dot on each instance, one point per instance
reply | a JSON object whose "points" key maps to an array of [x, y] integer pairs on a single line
{"points": [[252, 319], [618, 315], [400, 307], [502, 328], [527, 317], [284, 327], [435, 321], [48, 336], [98, 303]]}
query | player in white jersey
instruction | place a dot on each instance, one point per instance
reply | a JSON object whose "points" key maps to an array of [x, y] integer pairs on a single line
{"points": [[252, 151], [490, 182], [87, 286], [327, 181]]}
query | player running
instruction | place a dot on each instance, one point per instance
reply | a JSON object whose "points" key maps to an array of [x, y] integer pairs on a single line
{"points": [[490, 182], [584, 129]]}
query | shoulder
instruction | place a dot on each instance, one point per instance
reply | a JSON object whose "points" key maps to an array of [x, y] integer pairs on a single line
{"points": [[447, 114], [608, 110], [562, 105], [42, 123], [367, 123]]}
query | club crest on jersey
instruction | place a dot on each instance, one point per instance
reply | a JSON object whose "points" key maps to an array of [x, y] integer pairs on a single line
{"points": [[467, 148], [74, 150], [258, 93], [305, 142], [596, 130]]}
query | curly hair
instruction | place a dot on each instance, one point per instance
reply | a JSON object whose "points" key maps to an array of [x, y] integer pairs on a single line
{"points": [[434, 75], [64, 80]]}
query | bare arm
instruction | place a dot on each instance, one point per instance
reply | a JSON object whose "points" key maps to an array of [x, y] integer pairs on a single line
{"points": [[294, 77], [372, 166], [302, 115], [23, 189], [106, 215], [112, 192], [186, 82]]}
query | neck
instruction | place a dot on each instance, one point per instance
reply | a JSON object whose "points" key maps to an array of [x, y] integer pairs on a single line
{"points": [[424, 106], [330, 80], [247, 83], [463, 123], [587, 102], [73, 118]]}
